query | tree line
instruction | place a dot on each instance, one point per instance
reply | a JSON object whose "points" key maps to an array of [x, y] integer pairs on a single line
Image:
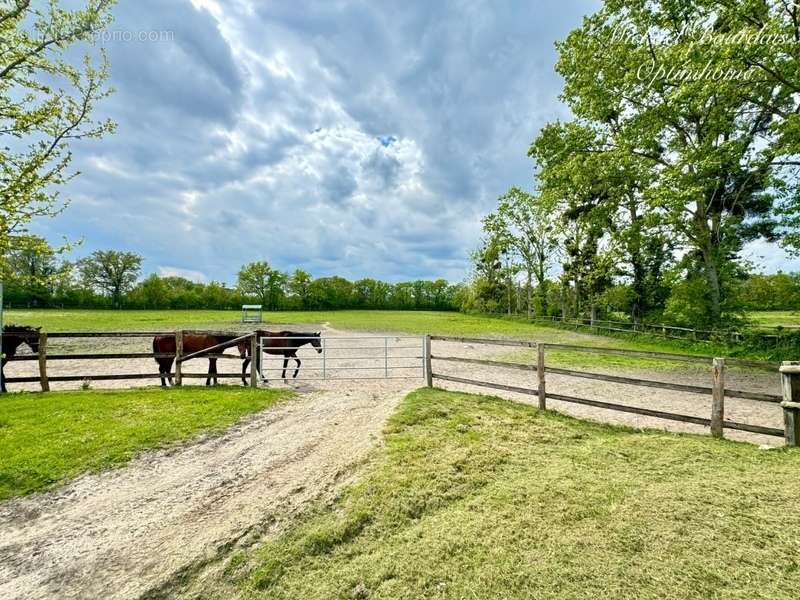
{"points": [[36, 276], [670, 164]]}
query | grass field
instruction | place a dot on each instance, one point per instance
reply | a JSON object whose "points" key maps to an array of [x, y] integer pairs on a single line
{"points": [[48, 438], [413, 322], [775, 318], [477, 497]]}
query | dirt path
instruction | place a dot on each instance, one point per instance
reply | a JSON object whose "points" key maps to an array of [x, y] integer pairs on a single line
{"points": [[127, 531]]}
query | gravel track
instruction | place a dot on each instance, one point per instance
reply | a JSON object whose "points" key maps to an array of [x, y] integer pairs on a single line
{"points": [[126, 531]]}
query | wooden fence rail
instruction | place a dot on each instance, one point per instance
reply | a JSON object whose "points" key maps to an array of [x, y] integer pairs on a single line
{"points": [[717, 391], [672, 331], [43, 357], [678, 387]]}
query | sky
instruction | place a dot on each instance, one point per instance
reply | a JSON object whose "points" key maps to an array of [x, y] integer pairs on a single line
{"points": [[361, 139]]}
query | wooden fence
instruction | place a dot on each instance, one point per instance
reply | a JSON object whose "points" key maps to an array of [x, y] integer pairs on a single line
{"points": [[44, 357], [789, 400], [671, 331]]}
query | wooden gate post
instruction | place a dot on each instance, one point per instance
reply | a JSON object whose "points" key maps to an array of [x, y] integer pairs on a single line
{"points": [[428, 362], [790, 386], [45, 382], [255, 356], [542, 390], [717, 397], [178, 355]]}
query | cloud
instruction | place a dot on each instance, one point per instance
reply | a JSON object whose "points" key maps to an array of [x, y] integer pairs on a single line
{"points": [[196, 276], [768, 258], [352, 138]]}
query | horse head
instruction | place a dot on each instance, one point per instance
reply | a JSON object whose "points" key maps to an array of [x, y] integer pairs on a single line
{"points": [[316, 341], [23, 334]]}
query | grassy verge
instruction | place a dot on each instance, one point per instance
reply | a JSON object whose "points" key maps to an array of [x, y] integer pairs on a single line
{"points": [[775, 318], [477, 497], [48, 438]]}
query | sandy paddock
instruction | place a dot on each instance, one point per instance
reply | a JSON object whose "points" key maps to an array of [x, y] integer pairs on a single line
{"points": [[127, 531], [747, 411]]}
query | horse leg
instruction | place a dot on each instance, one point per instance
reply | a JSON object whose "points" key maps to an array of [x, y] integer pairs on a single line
{"points": [[163, 370], [212, 370], [245, 363], [285, 363], [3, 389], [297, 370]]}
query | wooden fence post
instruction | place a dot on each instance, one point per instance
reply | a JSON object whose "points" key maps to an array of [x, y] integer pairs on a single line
{"points": [[790, 386], [428, 362], [717, 397], [542, 390], [178, 354], [254, 355], [43, 362]]}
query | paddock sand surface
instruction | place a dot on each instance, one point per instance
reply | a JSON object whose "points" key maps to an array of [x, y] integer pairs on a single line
{"points": [[169, 513]]}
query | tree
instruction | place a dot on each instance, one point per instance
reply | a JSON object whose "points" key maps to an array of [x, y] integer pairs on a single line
{"points": [[262, 281], [32, 265], [111, 272], [528, 225], [673, 97], [371, 293], [607, 186], [332, 292], [489, 274], [299, 285], [46, 102]]}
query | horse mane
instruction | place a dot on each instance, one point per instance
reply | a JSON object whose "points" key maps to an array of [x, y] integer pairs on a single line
{"points": [[20, 329], [298, 334]]}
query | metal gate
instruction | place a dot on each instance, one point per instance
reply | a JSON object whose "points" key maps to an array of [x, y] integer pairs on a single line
{"points": [[340, 358]]}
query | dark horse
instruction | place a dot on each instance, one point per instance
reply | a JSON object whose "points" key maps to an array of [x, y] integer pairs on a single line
{"points": [[281, 343], [13, 337], [192, 342]]}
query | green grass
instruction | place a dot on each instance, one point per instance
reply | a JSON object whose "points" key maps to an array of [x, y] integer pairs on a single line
{"points": [[46, 439], [478, 497], [605, 362], [775, 318]]}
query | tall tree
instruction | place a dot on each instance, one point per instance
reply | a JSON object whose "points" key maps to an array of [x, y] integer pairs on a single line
{"points": [[658, 78], [46, 102], [262, 281], [489, 274], [299, 286], [579, 165], [111, 272], [530, 228]]}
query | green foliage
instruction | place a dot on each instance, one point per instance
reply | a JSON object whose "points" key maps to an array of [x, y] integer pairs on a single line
{"points": [[526, 226], [46, 102], [780, 291], [46, 439], [111, 272], [258, 279], [479, 497], [665, 154]]}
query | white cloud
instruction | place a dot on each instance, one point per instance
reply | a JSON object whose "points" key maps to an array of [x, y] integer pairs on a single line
{"points": [[189, 274]]}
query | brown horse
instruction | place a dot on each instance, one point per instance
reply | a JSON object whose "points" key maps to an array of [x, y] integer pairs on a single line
{"points": [[13, 337], [192, 342], [281, 343]]}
